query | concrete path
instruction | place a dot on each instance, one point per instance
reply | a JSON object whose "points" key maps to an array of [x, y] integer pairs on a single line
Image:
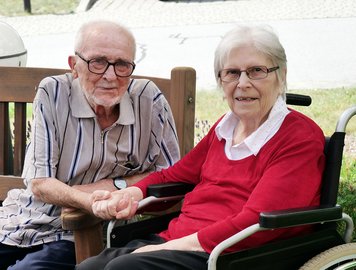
{"points": [[319, 35]]}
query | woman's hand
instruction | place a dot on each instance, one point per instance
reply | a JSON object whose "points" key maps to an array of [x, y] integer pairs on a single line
{"points": [[187, 243]]}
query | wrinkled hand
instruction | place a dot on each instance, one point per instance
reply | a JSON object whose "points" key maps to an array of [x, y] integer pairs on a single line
{"points": [[186, 243], [113, 205], [150, 248]]}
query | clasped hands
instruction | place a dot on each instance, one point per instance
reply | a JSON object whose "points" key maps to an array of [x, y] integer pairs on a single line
{"points": [[120, 204]]}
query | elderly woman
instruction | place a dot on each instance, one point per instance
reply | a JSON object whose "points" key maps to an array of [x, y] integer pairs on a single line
{"points": [[259, 156]]}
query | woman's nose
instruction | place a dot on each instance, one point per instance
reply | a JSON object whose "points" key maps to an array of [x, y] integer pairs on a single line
{"points": [[244, 79]]}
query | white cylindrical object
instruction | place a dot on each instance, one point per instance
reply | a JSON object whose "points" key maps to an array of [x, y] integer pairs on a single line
{"points": [[12, 48]]}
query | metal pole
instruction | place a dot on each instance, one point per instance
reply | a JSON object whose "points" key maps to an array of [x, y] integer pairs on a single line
{"points": [[27, 5]]}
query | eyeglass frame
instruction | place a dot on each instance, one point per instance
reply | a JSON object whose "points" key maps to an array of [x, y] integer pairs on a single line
{"points": [[269, 70], [108, 65]]}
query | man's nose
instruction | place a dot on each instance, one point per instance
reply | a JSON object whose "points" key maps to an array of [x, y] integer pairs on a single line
{"points": [[110, 73]]}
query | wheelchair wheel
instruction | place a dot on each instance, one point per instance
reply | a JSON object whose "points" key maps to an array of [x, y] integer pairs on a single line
{"points": [[339, 258]]}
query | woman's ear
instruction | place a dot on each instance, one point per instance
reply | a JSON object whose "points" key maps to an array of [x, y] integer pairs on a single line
{"points": [[72, 62]]}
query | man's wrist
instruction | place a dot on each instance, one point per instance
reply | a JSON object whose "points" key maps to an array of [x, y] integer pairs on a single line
{"points": [[120, 183]]}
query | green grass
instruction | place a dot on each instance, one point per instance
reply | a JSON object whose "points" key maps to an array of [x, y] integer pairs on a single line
{"points": [[16, 7], [326, 108]]}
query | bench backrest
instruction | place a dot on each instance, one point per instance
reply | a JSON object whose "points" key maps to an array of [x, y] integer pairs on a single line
{"points": [[18, 86]]}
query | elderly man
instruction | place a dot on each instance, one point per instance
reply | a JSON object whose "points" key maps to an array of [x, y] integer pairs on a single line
{"points": [[95, 128]]}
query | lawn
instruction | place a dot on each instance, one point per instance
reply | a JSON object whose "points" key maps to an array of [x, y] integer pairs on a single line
{"points": [[327, 106], [16, 7]]}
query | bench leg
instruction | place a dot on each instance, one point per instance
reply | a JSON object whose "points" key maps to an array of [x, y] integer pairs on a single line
{"points": [[88, 242]]}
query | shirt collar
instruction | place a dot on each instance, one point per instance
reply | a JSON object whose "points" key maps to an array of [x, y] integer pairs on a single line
{"points": [[254, 142], [225, 127], [266, 131], [81, 108]]}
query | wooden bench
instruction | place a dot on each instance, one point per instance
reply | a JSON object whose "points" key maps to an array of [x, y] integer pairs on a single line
{"points": [[18, 87], [17, 90]]}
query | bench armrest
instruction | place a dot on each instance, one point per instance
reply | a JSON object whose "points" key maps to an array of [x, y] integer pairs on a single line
{"points": [[88, 233]]}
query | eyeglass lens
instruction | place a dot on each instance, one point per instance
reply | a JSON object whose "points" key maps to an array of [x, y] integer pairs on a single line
{"points": [[254, 73], [100, 65]]}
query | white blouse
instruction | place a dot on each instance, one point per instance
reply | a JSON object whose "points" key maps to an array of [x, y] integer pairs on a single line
{"points": [[254, 142]]}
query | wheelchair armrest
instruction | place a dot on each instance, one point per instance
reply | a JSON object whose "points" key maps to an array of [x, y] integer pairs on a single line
{"points": [[299, 216], [169, 189], [161, 197]]}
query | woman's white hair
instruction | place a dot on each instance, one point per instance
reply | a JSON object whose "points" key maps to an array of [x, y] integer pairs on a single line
{"points": [[263, 39]]}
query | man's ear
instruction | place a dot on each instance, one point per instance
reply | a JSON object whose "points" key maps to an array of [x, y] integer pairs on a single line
{"points": [[72, 62]]}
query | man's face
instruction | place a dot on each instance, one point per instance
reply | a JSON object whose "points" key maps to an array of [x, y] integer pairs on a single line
{"points": [[103, 89]]}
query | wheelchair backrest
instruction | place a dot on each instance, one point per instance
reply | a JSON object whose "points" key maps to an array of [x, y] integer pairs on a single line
{"points": [[333, 150]]}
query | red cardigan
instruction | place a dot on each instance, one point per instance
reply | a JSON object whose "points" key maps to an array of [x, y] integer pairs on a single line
{"points": [[229, 195]]}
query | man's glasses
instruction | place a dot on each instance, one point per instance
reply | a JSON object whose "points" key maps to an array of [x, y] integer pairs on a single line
{"points": [[100, 66], [254, 73]]}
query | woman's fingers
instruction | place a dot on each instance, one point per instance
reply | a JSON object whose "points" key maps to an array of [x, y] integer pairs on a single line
{"points": [[127, 207]]}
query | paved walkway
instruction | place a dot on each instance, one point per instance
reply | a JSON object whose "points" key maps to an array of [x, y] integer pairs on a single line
{"points": [[155, 13], [318, 35]]}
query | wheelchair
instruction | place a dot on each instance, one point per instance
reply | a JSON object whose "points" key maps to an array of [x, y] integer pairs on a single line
{"points": [[323, 248]]}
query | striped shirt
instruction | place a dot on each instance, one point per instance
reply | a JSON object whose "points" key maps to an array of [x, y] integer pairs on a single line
{"points": [[67, 143]]}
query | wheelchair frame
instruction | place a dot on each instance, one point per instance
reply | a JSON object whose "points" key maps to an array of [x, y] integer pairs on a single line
{"points": [[326, 213], [289, 218]]}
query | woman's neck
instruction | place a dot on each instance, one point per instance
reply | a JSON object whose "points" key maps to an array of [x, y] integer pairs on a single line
{"points": [[245, 128]]}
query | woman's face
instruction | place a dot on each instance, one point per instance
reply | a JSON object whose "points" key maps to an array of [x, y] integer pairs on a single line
{"points": [[250, 100]]}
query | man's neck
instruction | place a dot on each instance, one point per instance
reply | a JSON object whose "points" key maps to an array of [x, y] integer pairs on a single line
{"points": [[107, 116]]}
